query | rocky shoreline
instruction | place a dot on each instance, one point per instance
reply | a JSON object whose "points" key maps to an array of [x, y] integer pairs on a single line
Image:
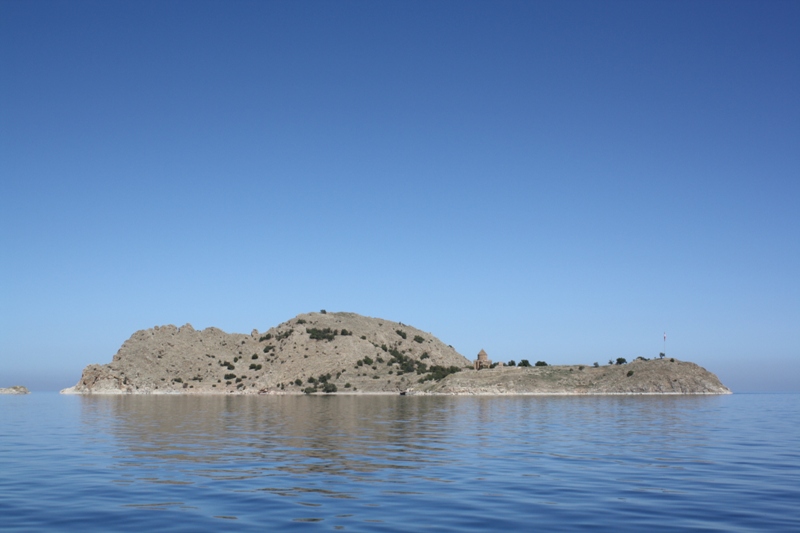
{"points": [[346, 353]]}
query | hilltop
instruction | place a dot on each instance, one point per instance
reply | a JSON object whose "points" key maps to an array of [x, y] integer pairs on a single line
{"points": [[330, 351], [350, 353]]}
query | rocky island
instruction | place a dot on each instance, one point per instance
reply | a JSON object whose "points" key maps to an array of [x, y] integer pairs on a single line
{"points": [[348, 353], [16, 389]]}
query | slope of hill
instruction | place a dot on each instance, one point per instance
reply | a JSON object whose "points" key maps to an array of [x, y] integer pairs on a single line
{"points": [[327, 351]]}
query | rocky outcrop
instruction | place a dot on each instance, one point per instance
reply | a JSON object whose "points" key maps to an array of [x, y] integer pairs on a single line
{"points": [[16, 389], [327, 351], [660, 376]]}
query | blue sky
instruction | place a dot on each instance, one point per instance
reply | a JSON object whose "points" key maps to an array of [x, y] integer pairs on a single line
{"points": [[545, 180]]}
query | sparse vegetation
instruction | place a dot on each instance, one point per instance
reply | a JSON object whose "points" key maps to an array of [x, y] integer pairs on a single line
{"points": [[419, 339], [438, 372], [283, 335], [325, 334], [266, 337], [401, 333], [425, 355]]}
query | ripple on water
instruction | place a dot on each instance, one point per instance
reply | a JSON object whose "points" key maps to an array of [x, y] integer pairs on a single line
{"points": [[400, 463]]}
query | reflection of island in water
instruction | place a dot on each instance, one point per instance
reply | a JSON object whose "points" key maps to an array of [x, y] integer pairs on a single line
{"points": [[246, 436], [242, 437]]}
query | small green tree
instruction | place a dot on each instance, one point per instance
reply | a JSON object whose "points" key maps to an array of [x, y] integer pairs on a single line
{"points": [[512, 363], [541, 363], [525, 362], [621, 360]]}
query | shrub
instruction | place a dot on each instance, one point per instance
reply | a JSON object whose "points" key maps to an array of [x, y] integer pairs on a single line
{"points": [[329, 388], [266, 337], [661, 355], [610, 361], [368, 360], [621, 361], [384, 348], [359, 363], [312, 379], [672, 360], [310, 390], [282, 335], [401, 333], [363, 337], [438, 372], [346, 385], [581, 367], [323, 312], [229, 376], [524, 362], [177, 380], [254, 366], [321, 334], [512, 363], [254, 356], [541, 363], [425, 355], [268, 348], [419, 339], [630, 373], [298, 382], [301, 320], [596, 364], [344, 332]]}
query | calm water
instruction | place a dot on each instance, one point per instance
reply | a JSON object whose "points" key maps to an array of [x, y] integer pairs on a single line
{"points": [[729, 463]]}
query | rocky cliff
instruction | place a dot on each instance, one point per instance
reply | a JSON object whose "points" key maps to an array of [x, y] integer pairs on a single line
{"points": [[328, 352]]}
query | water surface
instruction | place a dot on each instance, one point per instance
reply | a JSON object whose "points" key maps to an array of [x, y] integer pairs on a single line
{"points": [[392, 463]]}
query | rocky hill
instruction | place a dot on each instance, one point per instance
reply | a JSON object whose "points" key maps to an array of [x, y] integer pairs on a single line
{"points": [[329, 352], [659, 376], [346, 353]]}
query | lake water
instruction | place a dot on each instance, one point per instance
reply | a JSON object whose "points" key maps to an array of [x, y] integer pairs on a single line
{"points": [[392, 463]]}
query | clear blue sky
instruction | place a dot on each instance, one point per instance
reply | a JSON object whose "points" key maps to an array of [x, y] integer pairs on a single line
{"points": [[545, 180]]}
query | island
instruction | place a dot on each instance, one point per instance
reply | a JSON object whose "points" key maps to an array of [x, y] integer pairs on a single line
{"points": [[346, 353], [16, 389]]}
